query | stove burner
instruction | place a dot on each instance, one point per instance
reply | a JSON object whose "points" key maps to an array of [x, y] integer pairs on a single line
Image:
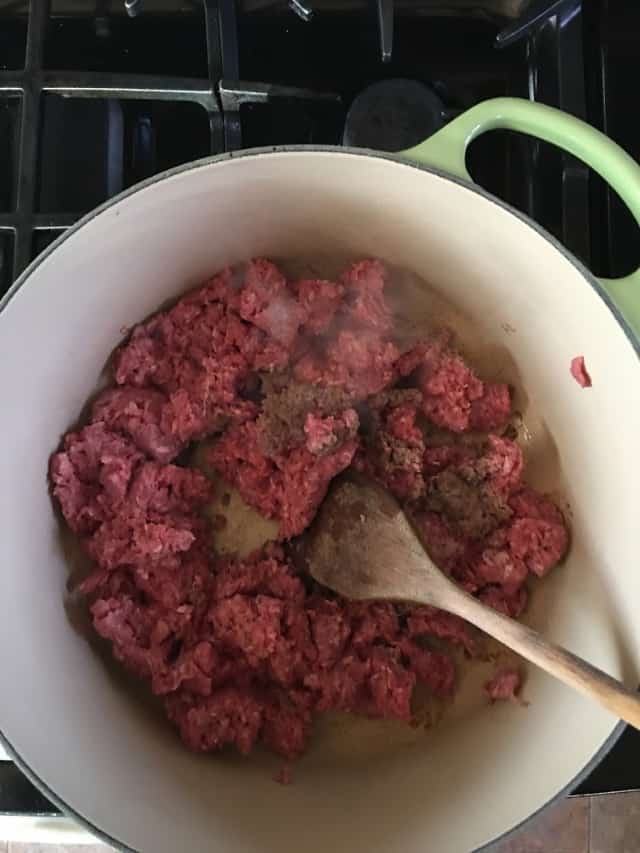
{"points": [[393, 115]]}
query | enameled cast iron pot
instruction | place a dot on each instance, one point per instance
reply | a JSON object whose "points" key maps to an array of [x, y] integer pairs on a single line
{"points": [[94, 749]]}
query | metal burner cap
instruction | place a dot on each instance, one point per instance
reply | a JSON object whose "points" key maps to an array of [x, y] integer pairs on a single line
{"points": [[393, 115]]}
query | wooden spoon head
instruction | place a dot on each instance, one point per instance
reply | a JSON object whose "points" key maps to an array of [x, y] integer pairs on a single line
{"points": [[362, 546]]}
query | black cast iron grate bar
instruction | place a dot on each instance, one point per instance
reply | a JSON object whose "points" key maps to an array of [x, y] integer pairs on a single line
{"points": [[29, 133], [31, 83], [234, 93], [221, 101]]}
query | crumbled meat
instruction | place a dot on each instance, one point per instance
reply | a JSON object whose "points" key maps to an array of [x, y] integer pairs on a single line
{"points": [[426, 354], [130, 538], [438, 458], [360, 362], [445, 544], [500, 465], [395, 450], [175, 580], [267, 302], [323, 434], [137, 412], [390, 684], [286, 729], [249, 625], [141, 635], [434, 669], [534, 540], [425, 620], [473, 494], [371, 622], [199, 353], [472, 509], [511, 604], [232, 716], [448, 390], [392, 398], [453, 396], [365, 304], [505, 685], [295, 381], [168, 488], [330, 630], [497, 564], [306, 479], [239, 459], [91, 475], [342, 688], [539, 544], [284, 412], [265, 573], [579, 372], [492, 409], [320, 301], [288, 488]]}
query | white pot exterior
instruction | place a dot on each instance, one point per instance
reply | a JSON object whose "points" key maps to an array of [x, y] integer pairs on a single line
{"points": [[469, 780]]}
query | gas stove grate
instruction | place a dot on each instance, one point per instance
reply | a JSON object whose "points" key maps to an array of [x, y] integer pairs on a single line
{"points": [[31, 215]]}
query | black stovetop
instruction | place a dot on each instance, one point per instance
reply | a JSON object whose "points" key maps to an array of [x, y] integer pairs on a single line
{"points": [[93, 100]]}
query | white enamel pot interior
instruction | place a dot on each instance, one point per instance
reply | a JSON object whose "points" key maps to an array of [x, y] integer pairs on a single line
{"points": [[451, 790]]}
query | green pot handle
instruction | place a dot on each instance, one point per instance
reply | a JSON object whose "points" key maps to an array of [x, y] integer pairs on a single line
{"points": [[447, 150]]}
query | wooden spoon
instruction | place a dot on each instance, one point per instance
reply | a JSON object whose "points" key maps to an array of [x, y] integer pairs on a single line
{"points": [[362, 546]]}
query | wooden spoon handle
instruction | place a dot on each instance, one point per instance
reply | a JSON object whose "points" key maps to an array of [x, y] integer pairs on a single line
{"points": [[564, 665]]}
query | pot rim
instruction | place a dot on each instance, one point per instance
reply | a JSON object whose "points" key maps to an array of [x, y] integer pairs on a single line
{"points": [[397, 158]]}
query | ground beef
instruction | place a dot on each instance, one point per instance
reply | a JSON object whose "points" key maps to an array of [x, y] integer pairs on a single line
{"points": [[358, 361], [284, 413], [289, 487], [90, 476], [232, 716], [364, 303], [200, 353], [434, 669], [534, 540], [504, 685], [168, 489], [453, 397], [296, 380], [512, 604], [373, 622], [446, 545], [138, 413], [267, 302], [320, 301], [470, 489], [425, 621], [579, 372], [324, 434]]}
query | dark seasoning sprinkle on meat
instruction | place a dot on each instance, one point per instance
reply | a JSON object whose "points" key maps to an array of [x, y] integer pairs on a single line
{"points": [[296, 381]]}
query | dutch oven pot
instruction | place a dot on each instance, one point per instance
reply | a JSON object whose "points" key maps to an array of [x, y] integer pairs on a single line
{"points": [[93, 747]]}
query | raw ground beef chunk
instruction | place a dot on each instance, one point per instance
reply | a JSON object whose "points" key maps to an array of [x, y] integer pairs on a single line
{"points": [[453, 397], [395, 448], [320, 301], [504, 685], [138, 413], [91, 475], [287, 487], [295, 381], [578, 370]]}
